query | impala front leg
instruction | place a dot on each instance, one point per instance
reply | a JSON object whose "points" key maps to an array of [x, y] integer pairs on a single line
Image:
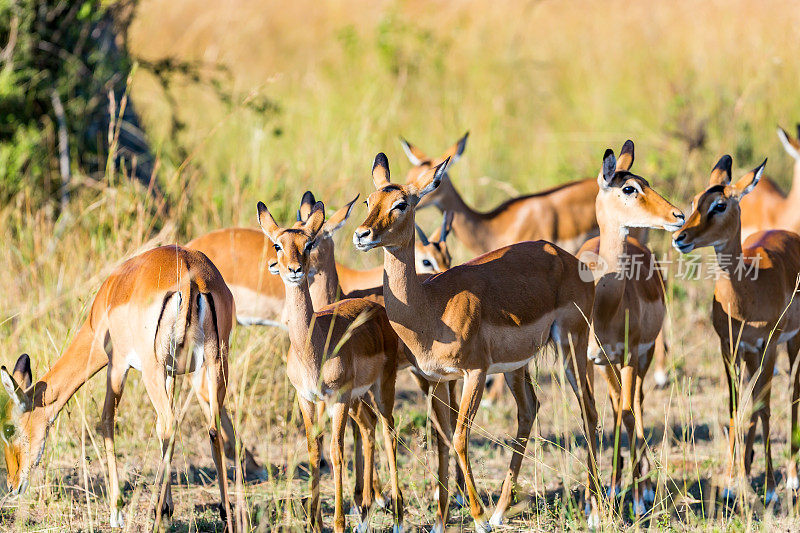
{"points": [[474, 383], [732, 377], [792, 481], [313, 442], [339, 413]]}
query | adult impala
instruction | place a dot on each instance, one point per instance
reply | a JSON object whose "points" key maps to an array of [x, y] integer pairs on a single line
{"points": [[754, 307], [165, 312], [243, 255], [489, 315], [629, 304], [337, 355], [767, 207]]}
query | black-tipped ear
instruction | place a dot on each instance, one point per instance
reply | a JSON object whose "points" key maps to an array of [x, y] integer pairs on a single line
{"points": [[316, 218], [625, 159], [462, 145], [22, 371], [380, 171], [721, 173], [306, 203], [798, 130], [608, 170], [423, 239], [414, 154]]}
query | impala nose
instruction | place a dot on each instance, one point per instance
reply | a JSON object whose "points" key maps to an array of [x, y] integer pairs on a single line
{"points": [[680, 238], [679, 216], [362, 238]]}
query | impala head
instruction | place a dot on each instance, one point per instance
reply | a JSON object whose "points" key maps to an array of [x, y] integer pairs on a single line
{"points": [[293, 245], [24, 430], [422, 164], [715, 217], [324, 243], [390, 222], [628, 200], [790, 144], [431, 253]]}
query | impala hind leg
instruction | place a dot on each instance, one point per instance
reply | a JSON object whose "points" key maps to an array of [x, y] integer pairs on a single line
{"points": [[115, 382], [643, 466], [217, 373], [792, 481], [160, 394], [614, 381], [250, 465], [761, 403], [365, 419], [313, 440], [474, 384], [521, 387], [732, 376]]}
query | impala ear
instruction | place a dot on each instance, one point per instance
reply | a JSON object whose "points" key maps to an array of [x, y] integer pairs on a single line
{"points": [[428, 181], [22, 372], [792, 146], [337, 220], [380, 171], [414, 154], [721, 173], [15, 392], [423, 239], [267, 223], [747, 183], [625, 160], [454, 152], [608, 170], [315, 219], [306, 204], [440, 234]]}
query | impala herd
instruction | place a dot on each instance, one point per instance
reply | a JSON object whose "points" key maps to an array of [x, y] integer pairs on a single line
{"points": [[170, 311]]}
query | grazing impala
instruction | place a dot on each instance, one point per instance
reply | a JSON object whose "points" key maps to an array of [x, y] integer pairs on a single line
{"points": [[492, 314], [165, 312], [242, 255], [754, 308], [629, 305], [337, 355], [767, 207]]}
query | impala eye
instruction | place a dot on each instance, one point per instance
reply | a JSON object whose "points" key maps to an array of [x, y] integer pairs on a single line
{"points": [[628, 190], [277, 247], [401, 206], [718, 208], [309, 246], [8, 432], [426, 262]]}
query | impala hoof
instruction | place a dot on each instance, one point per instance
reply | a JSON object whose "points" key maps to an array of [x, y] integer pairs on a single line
{"points": [[381, 502], [482, 526], [792, 483], [496, 519], [649, 495], [117, 519]]}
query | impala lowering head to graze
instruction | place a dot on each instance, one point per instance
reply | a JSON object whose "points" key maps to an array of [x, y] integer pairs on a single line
{"points": [[563, 215], [754, 308], [489, 315], [164, 312], [629, 308], [767, 206], [337, 354]]}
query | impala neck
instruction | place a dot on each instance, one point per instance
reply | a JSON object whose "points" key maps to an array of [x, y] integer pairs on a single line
{"points": [[80, 361], [402, 291], [324, 287], [469, 226], [611, 286], [301, 312], [731, 284]]}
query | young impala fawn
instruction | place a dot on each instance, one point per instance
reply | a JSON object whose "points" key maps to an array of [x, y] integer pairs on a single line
{"points": [[165, 312], [492, 314], [754, 307], [242, 255], [337, 354], [767, 207], [325, 289], [629, 304], [563, 215]]}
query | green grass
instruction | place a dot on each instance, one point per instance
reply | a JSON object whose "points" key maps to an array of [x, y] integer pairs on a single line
{"points": [[544, 88]]}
